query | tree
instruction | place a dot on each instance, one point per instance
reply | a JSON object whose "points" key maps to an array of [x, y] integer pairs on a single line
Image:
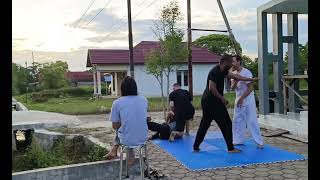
{"points": [[302, 59], [52, 75], [217, 43], [21, 76], [171, 49], [175, 52], [155, 66], [250, 64]]}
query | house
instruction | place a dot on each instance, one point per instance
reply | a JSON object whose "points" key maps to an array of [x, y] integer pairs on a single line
{"points": [[116, 62], [80, 78]]}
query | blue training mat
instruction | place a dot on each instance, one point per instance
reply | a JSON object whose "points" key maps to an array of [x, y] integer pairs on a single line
{"points": [[213, 153]]}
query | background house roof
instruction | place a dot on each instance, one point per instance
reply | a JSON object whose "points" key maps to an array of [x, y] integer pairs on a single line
{"points": [[79, 75], [111, 56]]}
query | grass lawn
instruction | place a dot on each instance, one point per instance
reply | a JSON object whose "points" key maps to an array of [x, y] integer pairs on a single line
{"points": [[82, 105]]}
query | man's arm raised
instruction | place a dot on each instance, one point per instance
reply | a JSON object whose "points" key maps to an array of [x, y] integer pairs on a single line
{"points": [[240, 78]]}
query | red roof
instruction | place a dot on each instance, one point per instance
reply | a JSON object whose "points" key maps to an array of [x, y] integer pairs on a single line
{"points": [[80, 76], [112, 56]]}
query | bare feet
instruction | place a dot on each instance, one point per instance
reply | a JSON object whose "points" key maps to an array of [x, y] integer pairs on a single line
{"points": [[196, 149], [235, 151], [172, 136], [260, 146], [111, 155]]}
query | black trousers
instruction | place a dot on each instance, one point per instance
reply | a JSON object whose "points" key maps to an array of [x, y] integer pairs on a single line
{"points": [[214, 109], [181, 116], [162, 129]]}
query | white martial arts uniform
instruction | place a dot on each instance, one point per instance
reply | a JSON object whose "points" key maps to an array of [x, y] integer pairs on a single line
{"points": [[245, 116]]}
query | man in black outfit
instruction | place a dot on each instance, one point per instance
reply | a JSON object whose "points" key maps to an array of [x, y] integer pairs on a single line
{"points": [[214, 104], [181, 111], [180, 104]]}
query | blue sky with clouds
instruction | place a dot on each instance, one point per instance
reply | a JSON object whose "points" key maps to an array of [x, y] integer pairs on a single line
{"points": [[47, 27]]}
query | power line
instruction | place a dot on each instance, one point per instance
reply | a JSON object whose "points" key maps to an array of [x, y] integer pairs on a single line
{"points": [[85, 12], [142, 2], [122, 25], [97, 14]]}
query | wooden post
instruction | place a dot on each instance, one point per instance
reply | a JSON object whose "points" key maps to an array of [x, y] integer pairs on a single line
{"points": [[130, 40], [190, 83], [233, 39], [284, 97]]}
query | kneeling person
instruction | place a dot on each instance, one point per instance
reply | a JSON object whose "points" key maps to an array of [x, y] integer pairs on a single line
{"points": [[181, 105]]}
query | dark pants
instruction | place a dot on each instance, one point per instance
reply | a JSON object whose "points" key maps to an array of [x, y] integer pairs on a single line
{"points": [[214, 110], [181, 117], [163, 130]]}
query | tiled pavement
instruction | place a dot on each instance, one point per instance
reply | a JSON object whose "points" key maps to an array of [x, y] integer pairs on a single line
{"points": [[172, 169]]}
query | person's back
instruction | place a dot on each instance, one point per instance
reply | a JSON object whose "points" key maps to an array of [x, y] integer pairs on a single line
{"points": [[182, 101], [131, 111]]}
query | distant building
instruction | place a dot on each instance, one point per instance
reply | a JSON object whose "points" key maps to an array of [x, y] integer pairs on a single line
{"points": [[80, 78], [116, 63]]}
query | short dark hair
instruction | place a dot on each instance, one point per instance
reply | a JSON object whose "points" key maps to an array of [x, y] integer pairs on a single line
{"points": [[128, 87], [225, 57], [238, 58], [176, 84]]}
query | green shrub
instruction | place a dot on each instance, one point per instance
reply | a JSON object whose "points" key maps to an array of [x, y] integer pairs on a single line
{"points": [[51, 93], [77, 91], [63, 152], [39, 97]]}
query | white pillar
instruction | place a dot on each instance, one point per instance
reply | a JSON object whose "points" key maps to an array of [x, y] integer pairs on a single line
{"points": [[107, 88], [99, 82], [94, 83], [116, 82], [112, 85], [182, 79]]}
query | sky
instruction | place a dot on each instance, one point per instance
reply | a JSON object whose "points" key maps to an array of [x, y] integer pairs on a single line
{"points": [[61, 29]]}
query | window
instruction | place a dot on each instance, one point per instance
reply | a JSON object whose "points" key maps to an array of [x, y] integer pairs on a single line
{"points": [[182, 77], [185, 78], [179, 77]]}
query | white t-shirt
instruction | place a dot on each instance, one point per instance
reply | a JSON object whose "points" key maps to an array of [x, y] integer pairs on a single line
{"points": [[242, 85], [131, 111]]}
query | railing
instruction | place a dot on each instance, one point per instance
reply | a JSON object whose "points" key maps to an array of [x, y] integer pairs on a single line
{"points": [[286, 85]]}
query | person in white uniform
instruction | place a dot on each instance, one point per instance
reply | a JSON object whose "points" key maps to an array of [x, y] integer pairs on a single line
{"points": [[245, 114]]}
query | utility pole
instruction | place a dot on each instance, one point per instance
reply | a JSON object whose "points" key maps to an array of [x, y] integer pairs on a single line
{"points": [[33, 68], [130, 40], [32, 58], [26, 82], [189, 49], [233, 39]]}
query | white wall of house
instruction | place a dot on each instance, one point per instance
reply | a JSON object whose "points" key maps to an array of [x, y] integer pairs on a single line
{"points": [[149, 86]]}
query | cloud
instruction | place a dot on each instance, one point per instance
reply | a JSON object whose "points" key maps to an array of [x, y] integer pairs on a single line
{"points": [[19, 39], [109, 28]]}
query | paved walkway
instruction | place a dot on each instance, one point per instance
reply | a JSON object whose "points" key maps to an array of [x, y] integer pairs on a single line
{"points": [[42, 117], [172, 169], [99, 127], [163, 162]]}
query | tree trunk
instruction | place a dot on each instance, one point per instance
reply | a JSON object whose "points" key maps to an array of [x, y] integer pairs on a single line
{"points": [[168, 85], [162, 97]]}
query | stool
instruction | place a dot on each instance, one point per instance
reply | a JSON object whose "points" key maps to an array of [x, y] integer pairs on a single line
{"points": [[139, 149]]}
